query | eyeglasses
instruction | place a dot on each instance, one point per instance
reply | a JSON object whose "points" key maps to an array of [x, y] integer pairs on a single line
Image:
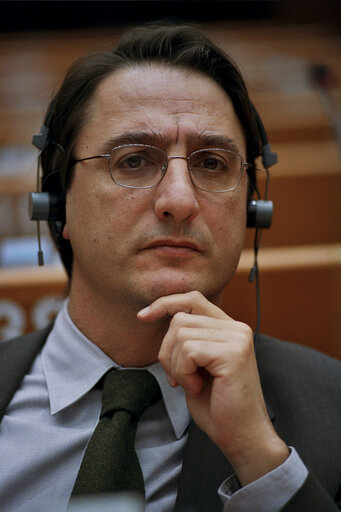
{"points": [[144, 166]]}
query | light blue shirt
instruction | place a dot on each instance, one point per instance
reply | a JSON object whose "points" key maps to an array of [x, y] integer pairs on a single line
{"points": [[52, 416]]}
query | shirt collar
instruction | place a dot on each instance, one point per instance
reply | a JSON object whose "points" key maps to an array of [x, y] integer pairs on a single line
{"points": [[174, 400], [73, 365]]}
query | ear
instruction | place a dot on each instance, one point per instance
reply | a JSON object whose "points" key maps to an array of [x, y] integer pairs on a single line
{"points": [[65, 232]]}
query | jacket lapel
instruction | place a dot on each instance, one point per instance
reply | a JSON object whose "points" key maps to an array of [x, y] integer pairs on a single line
{"points": [[16, 358], [204, 469]]}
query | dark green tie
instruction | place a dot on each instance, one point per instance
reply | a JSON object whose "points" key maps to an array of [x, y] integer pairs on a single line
{"points": [[110, 462]]}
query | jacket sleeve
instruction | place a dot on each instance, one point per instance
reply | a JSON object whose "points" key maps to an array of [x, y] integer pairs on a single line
{"points": [[312, 497]]}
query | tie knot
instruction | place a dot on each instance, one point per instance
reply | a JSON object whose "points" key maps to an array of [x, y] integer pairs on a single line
{"points": [[129, 390]]}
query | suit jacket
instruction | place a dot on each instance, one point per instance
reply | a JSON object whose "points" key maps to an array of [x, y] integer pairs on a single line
{"points": [[302, 390]]}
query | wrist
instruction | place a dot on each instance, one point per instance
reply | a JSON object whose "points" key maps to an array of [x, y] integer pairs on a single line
{"points": [[259, 459]]}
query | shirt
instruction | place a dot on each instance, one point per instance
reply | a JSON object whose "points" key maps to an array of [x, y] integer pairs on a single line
{"points": [[52, 416]]}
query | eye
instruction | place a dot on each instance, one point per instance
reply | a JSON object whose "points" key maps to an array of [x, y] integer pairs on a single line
{"points": [[210, 163], [207, 161], [132, 162]]}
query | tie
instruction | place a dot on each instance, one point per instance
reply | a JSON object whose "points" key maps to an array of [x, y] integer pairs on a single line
{"points": [[110, 462]]}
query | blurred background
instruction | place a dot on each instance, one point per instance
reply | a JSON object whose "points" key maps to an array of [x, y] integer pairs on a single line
{"points": [[290, 56]]}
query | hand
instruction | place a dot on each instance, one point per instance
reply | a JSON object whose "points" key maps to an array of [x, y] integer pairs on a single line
{"points": [[212, 357]]}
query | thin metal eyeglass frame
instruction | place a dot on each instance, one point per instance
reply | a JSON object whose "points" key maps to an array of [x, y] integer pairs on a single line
{"points": [[164, 168]]}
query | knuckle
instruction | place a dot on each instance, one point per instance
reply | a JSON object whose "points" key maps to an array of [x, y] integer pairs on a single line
{"points": [[189, 348], [181, 333], [196, 296], [164, 356], [245, 331], [179, 318], [244, 346]]}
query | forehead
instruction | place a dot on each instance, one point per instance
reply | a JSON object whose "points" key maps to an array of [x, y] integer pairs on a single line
{"points": [[178, 104]]}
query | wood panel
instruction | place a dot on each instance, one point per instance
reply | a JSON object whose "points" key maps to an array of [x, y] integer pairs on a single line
{"points": [[300, 295]]}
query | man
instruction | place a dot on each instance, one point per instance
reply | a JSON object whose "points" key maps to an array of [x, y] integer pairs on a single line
{"points": [[153, 148]]}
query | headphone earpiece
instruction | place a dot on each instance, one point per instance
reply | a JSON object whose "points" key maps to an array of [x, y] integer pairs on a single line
{"points": [[259, 213], [45, 206], [49, 204]]}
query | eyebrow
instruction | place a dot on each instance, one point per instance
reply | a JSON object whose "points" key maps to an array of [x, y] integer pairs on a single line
{"points": [[208, 139], [135, 137], [152, 138]]}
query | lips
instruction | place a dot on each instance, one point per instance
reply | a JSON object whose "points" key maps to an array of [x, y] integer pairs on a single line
{"points": [[173, 244]]}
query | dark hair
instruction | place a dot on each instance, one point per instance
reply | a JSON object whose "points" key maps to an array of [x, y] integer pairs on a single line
{"points": [[174, 45]]}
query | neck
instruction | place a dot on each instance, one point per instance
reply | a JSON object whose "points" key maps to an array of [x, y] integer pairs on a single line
{"points": [[115, 329]]}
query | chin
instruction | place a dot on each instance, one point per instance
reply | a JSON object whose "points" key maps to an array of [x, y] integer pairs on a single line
{"points": [[164, 289], [179, 284]]}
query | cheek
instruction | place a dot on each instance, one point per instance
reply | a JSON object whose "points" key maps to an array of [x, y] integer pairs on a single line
{"points": [[102, 211], [229, 220], [86, 207]]}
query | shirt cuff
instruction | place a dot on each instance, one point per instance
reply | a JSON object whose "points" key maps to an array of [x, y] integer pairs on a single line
{"points": [[270, 492]]}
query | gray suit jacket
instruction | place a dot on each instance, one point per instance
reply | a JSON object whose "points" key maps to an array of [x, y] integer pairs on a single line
{"points": [[302, 390]]}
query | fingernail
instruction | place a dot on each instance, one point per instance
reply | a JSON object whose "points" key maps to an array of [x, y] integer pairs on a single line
{"points": [[144, 311], [172, 382]]}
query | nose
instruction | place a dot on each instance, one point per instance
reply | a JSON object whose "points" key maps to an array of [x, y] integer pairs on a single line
{"points": [[175, 195]]}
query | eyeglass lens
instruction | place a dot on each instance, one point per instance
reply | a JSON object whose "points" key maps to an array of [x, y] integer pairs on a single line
{"points": [[139, 166]]}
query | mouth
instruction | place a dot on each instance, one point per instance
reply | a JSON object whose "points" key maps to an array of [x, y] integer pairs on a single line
{"points": [[175, 247]]}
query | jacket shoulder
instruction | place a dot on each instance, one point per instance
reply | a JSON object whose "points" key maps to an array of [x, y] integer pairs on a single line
{"points": [[16, 358], [282, 358], [22, 346], [288, 366]]}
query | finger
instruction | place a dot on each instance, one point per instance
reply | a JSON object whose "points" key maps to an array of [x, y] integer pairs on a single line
{"points": [[187, 361], [234, 344], [184, 327], [181, 331], [191, 302], [192, 384], [181, 372], [171, 380], [205, 323]]}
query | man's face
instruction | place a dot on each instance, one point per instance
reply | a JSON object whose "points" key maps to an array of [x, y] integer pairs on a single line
{"points": [[132, 246]]}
